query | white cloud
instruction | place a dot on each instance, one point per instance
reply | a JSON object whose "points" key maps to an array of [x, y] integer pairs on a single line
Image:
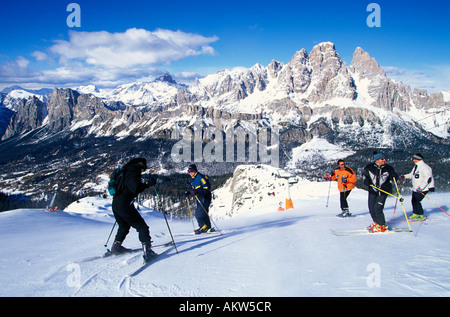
{"points": [[16, 72], [39, 56], [134, 47], [22, 62], [434, 78], [105, 59]]}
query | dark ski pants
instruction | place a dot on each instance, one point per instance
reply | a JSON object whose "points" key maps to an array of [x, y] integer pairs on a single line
{"points": [[416, 202], [201, 214], [376, 207], [344, 195], [127, 216]]}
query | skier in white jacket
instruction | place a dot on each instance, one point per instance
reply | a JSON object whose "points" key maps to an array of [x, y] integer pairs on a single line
{"points": [[422, 182]]}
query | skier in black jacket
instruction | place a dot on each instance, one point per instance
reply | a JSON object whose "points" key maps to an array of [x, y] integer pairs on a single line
{"points": [[378, 174], [124, 211]]}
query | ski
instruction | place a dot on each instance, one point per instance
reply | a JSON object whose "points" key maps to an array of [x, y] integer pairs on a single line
{"points": [[192, 234], [349, 216], [108, 252], [425, 220], [130, 251], [150, 262], [366, 231], [213, 231]]}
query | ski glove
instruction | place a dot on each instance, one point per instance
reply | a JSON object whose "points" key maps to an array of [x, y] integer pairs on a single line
{"points": [[192, 192]]}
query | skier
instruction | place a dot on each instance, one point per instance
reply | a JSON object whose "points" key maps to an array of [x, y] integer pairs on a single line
{"points": [[378, 174], [124, 211], [346, 182], [201, 190], [422, 182]]}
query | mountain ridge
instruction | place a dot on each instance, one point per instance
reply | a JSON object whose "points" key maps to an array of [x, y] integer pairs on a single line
{"points": [[314, 95]]}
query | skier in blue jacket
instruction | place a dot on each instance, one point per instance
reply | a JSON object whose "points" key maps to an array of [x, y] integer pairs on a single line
{"points": [[201, 190]]}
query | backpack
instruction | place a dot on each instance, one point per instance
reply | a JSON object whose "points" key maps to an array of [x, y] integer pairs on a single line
{"points": [[116, 182]]}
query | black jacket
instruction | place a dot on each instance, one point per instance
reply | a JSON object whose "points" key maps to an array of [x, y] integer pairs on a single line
{"points": [[379, 176], [132, 183]]}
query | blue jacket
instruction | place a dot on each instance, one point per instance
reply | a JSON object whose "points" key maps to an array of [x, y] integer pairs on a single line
{"points": [[201, 185]]}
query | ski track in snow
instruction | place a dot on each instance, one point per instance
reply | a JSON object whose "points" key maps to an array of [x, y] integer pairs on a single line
{"points": [[289, 253]]}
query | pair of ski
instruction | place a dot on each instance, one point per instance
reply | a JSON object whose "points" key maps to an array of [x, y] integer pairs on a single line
{"points": [[367, 231], [151, 261], [390, 230], [129, 251], [198, 234], [147, 263]]}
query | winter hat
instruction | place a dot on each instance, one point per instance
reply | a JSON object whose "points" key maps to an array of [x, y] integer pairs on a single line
{"points": [[192, 167], [377, 156], [418, 156], [140, 161]]}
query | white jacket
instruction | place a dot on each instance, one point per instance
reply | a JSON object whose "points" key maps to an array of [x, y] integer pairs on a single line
{"points": [[421, 176]]}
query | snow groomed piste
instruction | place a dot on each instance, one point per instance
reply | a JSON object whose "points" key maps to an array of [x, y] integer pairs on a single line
{"points": [[262, 252]]}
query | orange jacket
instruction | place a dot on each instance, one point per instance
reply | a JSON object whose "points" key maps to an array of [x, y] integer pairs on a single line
{"points": [[346, 178]]}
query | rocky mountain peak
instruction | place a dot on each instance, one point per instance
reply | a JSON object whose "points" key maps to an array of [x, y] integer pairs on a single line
{"points": [[286, 95], [60, 108], [274, 68], [166, 78], [364, 65], [296, 75], [30, 115], [329, 75]]}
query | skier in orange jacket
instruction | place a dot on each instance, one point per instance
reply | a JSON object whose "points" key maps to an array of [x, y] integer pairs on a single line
{"points": [[346, 178]]}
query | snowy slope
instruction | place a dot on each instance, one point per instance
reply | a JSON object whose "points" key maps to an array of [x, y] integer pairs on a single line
{"points": [[261, 253]]}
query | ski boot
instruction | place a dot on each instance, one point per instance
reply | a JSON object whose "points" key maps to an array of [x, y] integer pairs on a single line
{"points": [[149, 254], [345, 213], [369, 228], [416, 217], [375, 228], [117, 248], [203, 229]]}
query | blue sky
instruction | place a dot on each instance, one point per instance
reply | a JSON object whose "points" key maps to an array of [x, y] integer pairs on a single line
{"points": [[126, 41]]}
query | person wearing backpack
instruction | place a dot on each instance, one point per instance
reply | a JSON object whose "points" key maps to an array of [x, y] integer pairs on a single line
{"points": [[123, 207], [201, 190]]}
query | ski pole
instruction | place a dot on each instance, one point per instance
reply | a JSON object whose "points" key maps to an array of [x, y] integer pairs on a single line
{"points": [[401, 201], [170, 231], [395, 207], [207, 214], [192, 218], [396, 201], [164, 213], [399, 197], [433, 202], [106, 244], [383, 191]]}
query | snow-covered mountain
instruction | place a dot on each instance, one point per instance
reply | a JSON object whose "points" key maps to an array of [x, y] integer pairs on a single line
{"points": [[313, 93], [313, 96]]}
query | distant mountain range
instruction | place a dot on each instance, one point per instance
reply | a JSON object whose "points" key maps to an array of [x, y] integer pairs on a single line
{"points": [[314, 95]]}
